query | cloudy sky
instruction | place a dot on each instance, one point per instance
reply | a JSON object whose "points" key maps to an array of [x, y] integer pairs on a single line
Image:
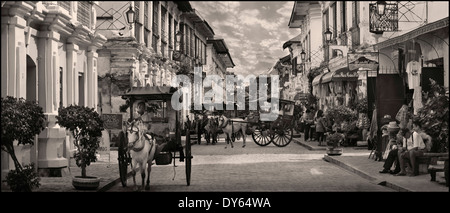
{"points": [[254, 31]]}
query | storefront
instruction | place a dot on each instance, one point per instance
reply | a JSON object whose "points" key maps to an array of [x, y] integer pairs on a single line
{"points": [[412, 59], [339, 87]]}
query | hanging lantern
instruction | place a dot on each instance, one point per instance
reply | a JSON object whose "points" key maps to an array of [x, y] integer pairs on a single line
{"points": [[131, 15], [328, 35], [381, 7], [303, 56]]}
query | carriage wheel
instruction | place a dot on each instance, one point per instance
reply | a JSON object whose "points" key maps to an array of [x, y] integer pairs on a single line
{"points": [[123, 159], [261, 137], [282, 136], [188, 158]]}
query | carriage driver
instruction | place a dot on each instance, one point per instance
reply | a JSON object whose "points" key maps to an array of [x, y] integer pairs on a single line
{"points": [[146, 119]]}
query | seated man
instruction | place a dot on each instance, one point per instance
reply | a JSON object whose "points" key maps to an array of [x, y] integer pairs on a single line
{"points": [[413, 146], [396, 145]]}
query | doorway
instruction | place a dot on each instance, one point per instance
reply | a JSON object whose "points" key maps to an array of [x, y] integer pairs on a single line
{"points": [[31, 80]]}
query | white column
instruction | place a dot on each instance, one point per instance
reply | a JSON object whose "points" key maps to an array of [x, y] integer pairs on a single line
{"points": [[48, 70], [13, 57], [50, 145], [72, 73], [91, 75]]}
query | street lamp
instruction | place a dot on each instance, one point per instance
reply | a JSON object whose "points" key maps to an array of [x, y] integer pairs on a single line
{"points": [[131, 16], [328, 35], [178, 36], [303, 56], [381, 7]]}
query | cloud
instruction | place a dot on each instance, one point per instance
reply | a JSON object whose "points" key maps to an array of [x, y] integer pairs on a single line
{"points": [[254, 32]]}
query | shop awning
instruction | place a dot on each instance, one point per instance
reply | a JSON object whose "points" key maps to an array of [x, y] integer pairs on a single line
{"points": [[342, 74], [317, 79]]}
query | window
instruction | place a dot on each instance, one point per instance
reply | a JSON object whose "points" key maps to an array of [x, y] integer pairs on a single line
{"points": [[138, 24], [334, 15], [187, 37], [344, 17], [155, 29], [355, 14], [155, 18], [146, 25], [163, 24], [192, 42], [84, 13], [170, 32]]}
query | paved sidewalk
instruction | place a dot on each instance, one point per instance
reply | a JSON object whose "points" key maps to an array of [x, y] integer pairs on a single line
{"points": [[355, 159]]}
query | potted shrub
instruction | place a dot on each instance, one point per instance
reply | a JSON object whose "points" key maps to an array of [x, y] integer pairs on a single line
{"points": [[333, 141], [86, 127], [21, 121]]}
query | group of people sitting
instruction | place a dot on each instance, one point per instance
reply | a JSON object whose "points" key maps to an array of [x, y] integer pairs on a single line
{"points": [[404, 147]]}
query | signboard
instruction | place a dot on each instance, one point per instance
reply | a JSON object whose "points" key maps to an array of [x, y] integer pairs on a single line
{"points": [[112, 121], [367, 60], [104, 147]]}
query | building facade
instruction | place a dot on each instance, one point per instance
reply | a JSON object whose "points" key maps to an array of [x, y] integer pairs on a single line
{"points": [[141, 54], [49, 54]]}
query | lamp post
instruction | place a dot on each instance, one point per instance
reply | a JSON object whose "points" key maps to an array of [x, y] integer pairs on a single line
{"points": [[131, 17], [381, 7]]}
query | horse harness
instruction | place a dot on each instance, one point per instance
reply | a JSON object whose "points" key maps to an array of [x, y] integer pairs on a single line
{"points": [[137, 149]]}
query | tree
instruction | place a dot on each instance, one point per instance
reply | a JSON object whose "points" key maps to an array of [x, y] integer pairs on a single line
{"points": [[434, 116], [86, 127], [22, 120]]}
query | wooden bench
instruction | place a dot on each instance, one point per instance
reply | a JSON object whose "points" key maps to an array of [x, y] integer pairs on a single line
{"points": [[430, 161]]}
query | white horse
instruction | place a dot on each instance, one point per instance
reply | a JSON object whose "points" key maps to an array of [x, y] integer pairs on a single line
{"points": [[142, 148], [232, 126]]}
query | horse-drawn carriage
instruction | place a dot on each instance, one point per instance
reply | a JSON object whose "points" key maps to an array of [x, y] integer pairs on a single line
{"points": [[278, 132], [160, 137]]}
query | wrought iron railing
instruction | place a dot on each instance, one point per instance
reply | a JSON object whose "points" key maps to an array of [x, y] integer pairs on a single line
{"points": [[388, 22]]}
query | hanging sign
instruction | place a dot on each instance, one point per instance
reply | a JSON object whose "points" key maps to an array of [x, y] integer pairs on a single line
{"points": [[367, 60]]}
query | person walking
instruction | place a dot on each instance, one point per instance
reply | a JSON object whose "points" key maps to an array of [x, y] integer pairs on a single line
{"points": [[321, 127], [308, 118]]}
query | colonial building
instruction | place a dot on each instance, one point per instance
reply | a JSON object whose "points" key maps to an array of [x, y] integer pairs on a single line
{"points": [[140, 52], [49, 54]]}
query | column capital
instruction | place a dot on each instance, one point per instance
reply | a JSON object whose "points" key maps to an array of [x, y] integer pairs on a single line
{"points": [[15, 21], [49, 34], [93, 54], [72, 47]]}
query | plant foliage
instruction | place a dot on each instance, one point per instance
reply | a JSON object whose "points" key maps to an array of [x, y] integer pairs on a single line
{"points": [[334, 139], [340, 113], [22, 120], [23, 181], [434, 116], [86, 125]]}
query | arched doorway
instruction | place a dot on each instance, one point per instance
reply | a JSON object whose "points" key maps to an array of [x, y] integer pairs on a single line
{"points": [[31, 80]]}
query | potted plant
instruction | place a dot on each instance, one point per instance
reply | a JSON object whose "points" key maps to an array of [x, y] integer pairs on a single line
{"points": [[333, 141], [85, 125], [21, 121]]}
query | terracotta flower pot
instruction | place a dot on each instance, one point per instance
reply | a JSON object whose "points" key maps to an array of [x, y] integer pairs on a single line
{"points": [[334, 151], [85, 183]]}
